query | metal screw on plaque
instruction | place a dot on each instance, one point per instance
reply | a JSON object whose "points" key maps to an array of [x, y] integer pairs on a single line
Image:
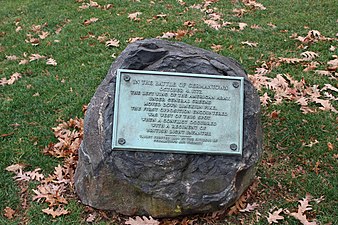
{"points": [[121, 141], [126, 78], [233, 147], [235, 84]]}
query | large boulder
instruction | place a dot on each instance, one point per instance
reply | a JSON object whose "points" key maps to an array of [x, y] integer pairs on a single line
{"points": [[164, 184]]}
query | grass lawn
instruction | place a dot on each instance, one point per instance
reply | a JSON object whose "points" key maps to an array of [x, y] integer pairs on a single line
{"points": [[53, 55]]}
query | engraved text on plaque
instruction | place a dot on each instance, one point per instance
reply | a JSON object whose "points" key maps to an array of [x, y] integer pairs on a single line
{"points": [[178, 112]]}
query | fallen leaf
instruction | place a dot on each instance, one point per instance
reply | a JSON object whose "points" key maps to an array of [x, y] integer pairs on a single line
{"points": [[132, 40], [265, 99], [23, 62], [90, 21], [308, 55], [142, 221], [33, 57], [302, 208], [333, 62], [319, 200], [330, 146], [11, 57], [213, 24], [312, 143], [9, 213], [242, 26], [168, 35], [51, 61], [255, 26], [251, 44], [249, 207], [91, 218], [15, 167], [18, 29], [113, 43], [43, 34], [239, 12], [274, 217], [55, 213], [332, 48], [254, 4], [272, 25], [189, 23], [217, 48], [134, 16]]}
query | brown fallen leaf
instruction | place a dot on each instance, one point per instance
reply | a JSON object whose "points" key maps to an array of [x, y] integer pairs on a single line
{"points": [[217, 48], [302, 208], [249, 207], [6, 135], [90, 21], [15, 167], [274, 217], [168, 35], [142, 221], [91, 218], [9, 213], [134, 16], [113, 43], [23, 62], [55, 213], [213, 24], [43, 34], [330, 146], [242, 26], [308, 55], [131, 40], [51, 61], [250, 44], [33, 57], [11, 57]]}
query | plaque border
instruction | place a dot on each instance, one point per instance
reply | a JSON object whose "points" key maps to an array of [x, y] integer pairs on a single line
{"points": [[116, 146]]}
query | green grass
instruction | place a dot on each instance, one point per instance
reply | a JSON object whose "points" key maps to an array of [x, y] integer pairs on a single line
{"points": [[84, 62]]}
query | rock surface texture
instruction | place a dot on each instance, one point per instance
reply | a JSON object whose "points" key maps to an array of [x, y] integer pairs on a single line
{"points": [[164, 184]]}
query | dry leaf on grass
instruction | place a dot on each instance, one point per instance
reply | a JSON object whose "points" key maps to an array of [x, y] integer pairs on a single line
{"points": [[11, 57], [113, 43], [132, 40], [14, 77], [213, 24], [54, 213], [15, 167], [302, 208], [51, 61], [242, 26], [142, 221], [308, 55], [91, 218], [168, 35], [9, 213], [250, 44], [134, 16], [90, 21], [249, 207], [34, 57], [274, 217], [217, 48]]}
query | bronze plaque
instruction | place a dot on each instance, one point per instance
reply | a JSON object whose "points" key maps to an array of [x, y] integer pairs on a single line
{"points": [[178, 112]]}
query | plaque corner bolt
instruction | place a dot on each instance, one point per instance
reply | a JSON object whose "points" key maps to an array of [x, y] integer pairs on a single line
{"points": [[121, 141], [235, 84], [233, 147], [126, 78]]}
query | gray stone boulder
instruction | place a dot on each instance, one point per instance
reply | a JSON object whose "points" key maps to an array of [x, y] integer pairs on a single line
{"points": [[164, 184]]}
